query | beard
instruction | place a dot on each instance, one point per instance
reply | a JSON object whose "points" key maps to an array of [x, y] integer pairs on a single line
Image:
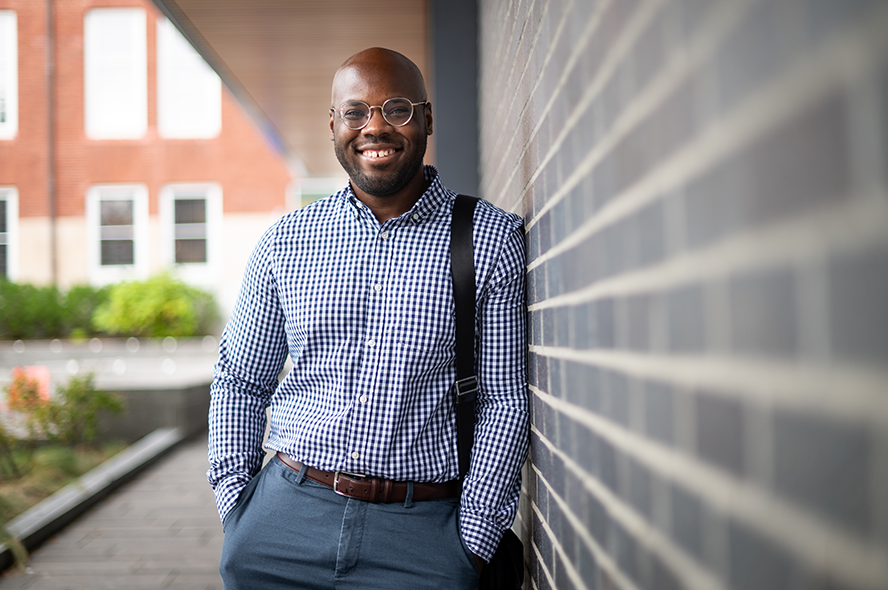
{"points": [[382, 184]]}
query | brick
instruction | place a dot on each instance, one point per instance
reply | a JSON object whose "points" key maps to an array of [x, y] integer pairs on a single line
{"points": [[804, 163], [755, 562], [556, 370], [663, 578], [536, 327], [543, 543], [883, 100], [686, 319], [825, 465], [691, 15], [763, 314], [598, 520], [615, 396], [720, 437], [582, 385], [561, 577], [640, 488], [588, 454], [637, 321], [661, 133], [556, 475], [687, 520], [567, 435], [858, 314], [658, 411], [587, 566], [549, 333], [649, 54], [826, 18], [755, 51], [608, 465], [623, 548], [650, 234], [542, 371], [604, 323]]}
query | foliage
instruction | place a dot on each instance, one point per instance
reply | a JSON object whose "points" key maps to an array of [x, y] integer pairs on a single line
{"points": [[157, 307], [23, 392], [72, 415], [81, 303], [30, 312], [69, 417]]}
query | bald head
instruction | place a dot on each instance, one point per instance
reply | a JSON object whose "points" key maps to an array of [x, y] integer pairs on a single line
{"points": [[378, 67]]}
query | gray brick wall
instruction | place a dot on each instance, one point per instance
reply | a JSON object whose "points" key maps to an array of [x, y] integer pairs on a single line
{"points": [[705, 190]]}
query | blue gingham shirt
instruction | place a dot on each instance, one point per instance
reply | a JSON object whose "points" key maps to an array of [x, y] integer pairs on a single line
{"points": [[365, 311]]}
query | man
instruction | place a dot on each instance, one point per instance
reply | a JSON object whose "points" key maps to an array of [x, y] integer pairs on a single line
{"points": [[356, 288]]}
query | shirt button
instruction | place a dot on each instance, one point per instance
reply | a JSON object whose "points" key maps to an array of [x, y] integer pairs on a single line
{"points": [[371, 343], [384, 235], [416, 216], [356, 455], [378, 286], [363, 399]]}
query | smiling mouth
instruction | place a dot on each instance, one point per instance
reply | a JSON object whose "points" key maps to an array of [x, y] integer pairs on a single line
{"points": [[373, 154]]}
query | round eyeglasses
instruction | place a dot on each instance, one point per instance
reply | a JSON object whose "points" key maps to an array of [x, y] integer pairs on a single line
{"points": [[396, 111]]}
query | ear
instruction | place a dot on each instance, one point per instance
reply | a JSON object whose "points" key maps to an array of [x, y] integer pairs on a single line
{"points": [[332, 116], [428, 117]]}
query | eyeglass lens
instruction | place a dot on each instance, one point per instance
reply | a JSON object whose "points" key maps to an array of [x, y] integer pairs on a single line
{"points": [[397, 111]]}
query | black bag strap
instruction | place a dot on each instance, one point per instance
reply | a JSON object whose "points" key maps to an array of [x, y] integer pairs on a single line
{"points": [[462, 269]]}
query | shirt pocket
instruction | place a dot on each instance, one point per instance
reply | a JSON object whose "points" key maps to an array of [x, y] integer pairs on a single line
{"points": [[426, 318]]}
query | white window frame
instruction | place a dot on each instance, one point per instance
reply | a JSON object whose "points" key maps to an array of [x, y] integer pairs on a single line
{"points": [[103, 275], [124, 115], [189, 92], [9, 72], [198, 273], [10, 195]]}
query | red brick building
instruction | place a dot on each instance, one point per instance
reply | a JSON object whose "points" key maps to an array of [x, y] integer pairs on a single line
{"points": [[122, 154]]}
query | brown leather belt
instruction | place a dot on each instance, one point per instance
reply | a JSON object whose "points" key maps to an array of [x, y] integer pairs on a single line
{"points": [[375, 489]]}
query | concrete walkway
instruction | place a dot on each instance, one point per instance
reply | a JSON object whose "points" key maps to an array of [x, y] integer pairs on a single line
{"points": [[159, 531]]}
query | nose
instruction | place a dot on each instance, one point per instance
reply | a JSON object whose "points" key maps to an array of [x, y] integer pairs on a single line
{"points": [[376, 123]]}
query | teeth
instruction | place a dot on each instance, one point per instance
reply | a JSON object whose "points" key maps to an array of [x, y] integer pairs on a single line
{"points": [[378, 153]]}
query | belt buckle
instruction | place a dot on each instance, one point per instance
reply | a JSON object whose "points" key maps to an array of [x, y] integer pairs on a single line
{"points": [[336, 475]]}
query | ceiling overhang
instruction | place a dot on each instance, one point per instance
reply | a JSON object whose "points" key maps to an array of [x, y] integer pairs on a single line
{"points": [[278, 58]]}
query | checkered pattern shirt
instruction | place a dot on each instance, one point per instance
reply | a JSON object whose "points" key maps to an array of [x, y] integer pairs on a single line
{"points": [[365, 311]]}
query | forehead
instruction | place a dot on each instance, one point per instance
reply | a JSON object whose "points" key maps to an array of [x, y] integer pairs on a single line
{"points": [[375, 83]]}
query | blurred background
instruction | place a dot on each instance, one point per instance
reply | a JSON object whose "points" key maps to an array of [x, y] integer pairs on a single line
{"points": [[704, 186]]}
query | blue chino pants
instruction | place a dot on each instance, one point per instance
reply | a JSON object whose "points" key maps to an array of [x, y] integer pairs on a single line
{"points": [[287, 531]]}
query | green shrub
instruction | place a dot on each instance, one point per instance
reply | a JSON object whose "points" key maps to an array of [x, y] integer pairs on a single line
{"points": [[160, 306], [32, 312], [72, 415], [81, 303], [28, 311]]}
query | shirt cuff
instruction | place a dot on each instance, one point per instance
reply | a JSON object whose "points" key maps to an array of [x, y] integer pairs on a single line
{"points": [[481, 535], [227, 493]]}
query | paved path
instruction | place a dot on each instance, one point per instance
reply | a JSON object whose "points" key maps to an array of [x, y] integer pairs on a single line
{"points": [[159, 531]]}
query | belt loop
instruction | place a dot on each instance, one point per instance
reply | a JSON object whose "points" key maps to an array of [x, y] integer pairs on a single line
{"points": [[408, 501], [301, 475]]}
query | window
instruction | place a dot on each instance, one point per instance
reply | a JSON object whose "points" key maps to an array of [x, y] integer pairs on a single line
{"points": [[8, 74], [189, 93], [191, 219], [115, 73], [8, 233], [117, 219]]}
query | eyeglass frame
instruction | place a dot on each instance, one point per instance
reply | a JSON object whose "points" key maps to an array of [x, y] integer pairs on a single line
{"points": [[413, 106]]}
